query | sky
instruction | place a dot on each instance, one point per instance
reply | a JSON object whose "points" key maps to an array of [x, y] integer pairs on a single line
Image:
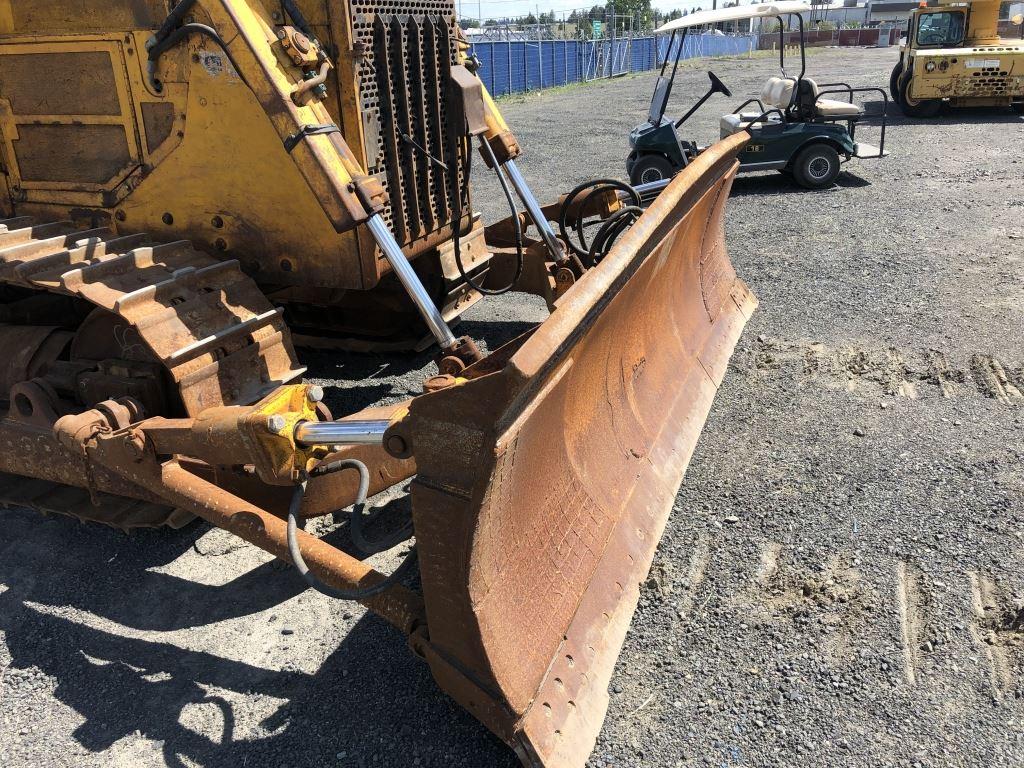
{"points": [[496, 9]]}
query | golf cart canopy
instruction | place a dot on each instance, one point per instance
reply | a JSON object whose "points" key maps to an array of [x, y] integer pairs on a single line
{"points": [[679, 28], [701, 18]]}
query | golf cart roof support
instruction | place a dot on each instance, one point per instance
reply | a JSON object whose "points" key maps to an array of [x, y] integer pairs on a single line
{"points": [[782, 46]]}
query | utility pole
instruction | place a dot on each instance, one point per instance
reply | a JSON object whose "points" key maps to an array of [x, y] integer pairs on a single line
{"points": [[611, 51], [540, 49]]}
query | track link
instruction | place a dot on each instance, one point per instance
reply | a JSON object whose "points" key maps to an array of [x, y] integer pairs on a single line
{"points": [[117, 511], [207, 322], [220, 339]]}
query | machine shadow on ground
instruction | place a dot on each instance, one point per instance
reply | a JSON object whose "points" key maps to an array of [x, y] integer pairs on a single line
{"points": [[379, 688], [950, 116], [775, 183]]}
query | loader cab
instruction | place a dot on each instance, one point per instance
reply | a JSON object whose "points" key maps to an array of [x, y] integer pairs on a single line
{"points": [[938, 28], [794, 127]]}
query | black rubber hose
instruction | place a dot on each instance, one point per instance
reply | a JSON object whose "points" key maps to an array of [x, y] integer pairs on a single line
{"points": [[613, 226], [340, 594], [594, 186], [456, 245], [296, 16], [357, 518], [183, 32], [174, 18]]}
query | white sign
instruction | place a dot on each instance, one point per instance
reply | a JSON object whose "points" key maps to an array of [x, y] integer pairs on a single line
{"points": [[981, 63]]}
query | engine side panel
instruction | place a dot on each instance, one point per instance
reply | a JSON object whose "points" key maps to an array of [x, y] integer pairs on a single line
{"points": [[84, 136]]}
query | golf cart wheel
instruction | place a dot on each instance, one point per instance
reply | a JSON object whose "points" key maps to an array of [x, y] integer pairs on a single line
{"points": [[817, 166], [648, 168], [894, 83], [912, 108]]}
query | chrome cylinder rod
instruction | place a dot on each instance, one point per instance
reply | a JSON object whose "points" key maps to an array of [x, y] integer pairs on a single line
{"points": [[411, 282], [533, 210], [651, 187], [363, 432]]}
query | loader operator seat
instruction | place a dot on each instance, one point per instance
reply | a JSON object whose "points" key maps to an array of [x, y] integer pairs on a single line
{"points": [[777, 93]]}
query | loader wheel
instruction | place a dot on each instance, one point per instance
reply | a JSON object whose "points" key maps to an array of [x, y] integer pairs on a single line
{"points": [[912, 108], [648, 168], [816, 167], [1018, 107], [894, 83]]}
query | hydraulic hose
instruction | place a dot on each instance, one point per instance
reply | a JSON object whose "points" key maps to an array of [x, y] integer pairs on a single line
{"points": [[358, 518], [296, 16], [613, 226], [592, 252], [174, 18], [456, 245], [295, 551], [162, 45]]}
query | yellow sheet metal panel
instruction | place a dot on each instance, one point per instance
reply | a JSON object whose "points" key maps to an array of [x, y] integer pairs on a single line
{"points": [[986, 72], [195, 152], [230, 187], [67, 121], [69, 16]]}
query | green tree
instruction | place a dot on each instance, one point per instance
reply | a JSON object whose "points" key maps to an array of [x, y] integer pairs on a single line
{"points": [[639, 9]]}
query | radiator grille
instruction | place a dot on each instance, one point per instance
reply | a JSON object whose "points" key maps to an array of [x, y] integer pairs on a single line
{"points": [[409, 48]]}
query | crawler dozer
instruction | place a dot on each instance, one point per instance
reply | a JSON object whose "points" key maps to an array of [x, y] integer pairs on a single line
{"points": [[195, 189], [953, 54]]}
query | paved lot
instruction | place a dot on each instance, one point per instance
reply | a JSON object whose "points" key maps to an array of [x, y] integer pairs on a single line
{"points": [[841, 583]]}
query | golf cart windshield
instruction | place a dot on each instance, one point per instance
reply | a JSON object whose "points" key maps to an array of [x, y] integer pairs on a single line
{"points": [[659, 100], [943, 29]]}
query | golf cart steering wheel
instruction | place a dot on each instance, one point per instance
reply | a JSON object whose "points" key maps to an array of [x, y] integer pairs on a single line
{"points": [[717, 86]]}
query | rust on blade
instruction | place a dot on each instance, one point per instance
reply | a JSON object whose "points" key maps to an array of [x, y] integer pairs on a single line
{"points": [[544, 487]]}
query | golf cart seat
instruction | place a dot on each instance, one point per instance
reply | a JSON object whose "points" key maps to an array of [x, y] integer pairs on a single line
{"points": [[777, 93], [830, 109]]}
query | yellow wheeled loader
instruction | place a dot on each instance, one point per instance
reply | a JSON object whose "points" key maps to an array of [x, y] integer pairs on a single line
{"points": [[194, 189], [953, 54]]}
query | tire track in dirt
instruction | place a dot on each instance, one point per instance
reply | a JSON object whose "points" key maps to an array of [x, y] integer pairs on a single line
{"points": [[914, 604], [912, 374], [996, 380], [695, 573], [998, 630]]}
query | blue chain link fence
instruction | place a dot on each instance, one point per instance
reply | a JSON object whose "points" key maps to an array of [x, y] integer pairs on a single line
{"points": [[516, 66]]}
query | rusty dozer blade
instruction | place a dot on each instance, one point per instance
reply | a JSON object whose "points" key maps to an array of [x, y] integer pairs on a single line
{"points": [[546, 477]]}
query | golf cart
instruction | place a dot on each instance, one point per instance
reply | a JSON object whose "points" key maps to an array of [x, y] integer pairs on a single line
{"points": [[793, 128]]}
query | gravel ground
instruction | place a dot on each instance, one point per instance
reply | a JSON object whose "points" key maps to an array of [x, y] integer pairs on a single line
{"points": [[841, 583]]}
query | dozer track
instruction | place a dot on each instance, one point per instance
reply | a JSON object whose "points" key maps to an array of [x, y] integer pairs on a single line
{"points": [[205, 322], [48, 498]]}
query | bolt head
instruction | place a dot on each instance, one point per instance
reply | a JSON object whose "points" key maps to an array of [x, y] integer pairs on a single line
{"points": [[315, 394], [396, 445], [276, 423]]}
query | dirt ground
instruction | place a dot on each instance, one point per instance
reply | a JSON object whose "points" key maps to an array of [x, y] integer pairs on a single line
{"points": [[841, 583]]}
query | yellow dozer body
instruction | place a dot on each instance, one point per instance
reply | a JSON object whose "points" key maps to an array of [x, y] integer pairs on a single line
{"points": [[194, 189], [953, 54]]}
